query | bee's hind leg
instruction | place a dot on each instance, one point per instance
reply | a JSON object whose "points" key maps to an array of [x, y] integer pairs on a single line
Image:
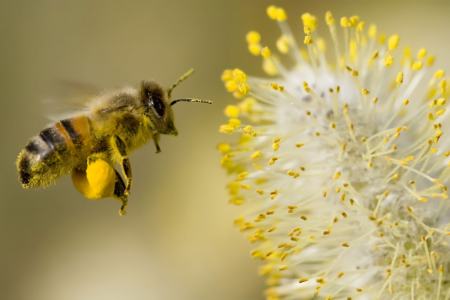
{"points": [[121, 193], [120, 156]]}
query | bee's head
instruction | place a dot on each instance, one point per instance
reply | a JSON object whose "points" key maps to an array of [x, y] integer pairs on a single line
{"points": [[157, 107], [158, 104]]}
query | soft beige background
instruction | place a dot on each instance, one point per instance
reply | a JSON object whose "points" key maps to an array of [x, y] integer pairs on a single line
{"points": [[177, 241]]}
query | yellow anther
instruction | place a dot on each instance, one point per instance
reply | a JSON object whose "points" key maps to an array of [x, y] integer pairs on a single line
{"points": [[243, 175], [236, 201], [308, 40], [256, 155], [276, 13], [275, 146], [354, 20], [283, 44], [441, 101], [299, 145], [393, 42], [232, 111], [399, 78], [231, 86], [293, 173], [430, 60], [337, 175], [234, 188], [306, 87], [329, 19], [248, 130], [224, 148], [283, 268], [365, 92], [345, 22], [407, 160], [273, 160], [226, 162], [236, 82], [405, 102], [422, 53], [239, 75], [245, 186], [440, 112], [443, 86], [388, 60], [360, 26], [302, 280], [395, 177], [320, 280], [253, 37], [423, 199], [234, 122], [227, 75], [439, 74], [272, 12], [269, 67], [226, 128], [354, 73], [273, 194], [309, 22], [265, 52], [407, 53], [277, 87], [417, 65], [254, 49], [372, 32], [375, 55]]}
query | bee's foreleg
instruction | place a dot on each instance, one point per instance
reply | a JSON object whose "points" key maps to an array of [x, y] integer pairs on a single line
{"points": [[156, 142]]}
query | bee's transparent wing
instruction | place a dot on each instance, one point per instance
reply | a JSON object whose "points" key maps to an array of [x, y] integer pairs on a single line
{"points": [[70, 97]]}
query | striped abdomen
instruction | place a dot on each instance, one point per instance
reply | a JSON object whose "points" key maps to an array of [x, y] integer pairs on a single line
{"points": [[54, 152]]}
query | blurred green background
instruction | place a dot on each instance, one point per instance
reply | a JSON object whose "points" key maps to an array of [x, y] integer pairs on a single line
{"points": [[177, 241]]}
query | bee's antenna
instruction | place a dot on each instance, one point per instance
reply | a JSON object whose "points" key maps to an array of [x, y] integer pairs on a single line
{"points": [[180, 80], [190, 100]]}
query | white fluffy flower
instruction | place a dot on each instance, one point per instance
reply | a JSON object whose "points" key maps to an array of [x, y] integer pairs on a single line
{"points": [[341, 165]]}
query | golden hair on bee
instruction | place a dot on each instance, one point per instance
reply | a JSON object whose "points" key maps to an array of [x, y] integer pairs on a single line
{"points": [[89, 145]]}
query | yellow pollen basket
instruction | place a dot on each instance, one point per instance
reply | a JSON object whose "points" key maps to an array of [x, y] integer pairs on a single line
{"points": [[97, 181]]}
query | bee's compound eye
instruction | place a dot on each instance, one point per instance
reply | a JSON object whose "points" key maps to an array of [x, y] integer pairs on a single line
{"points": [[158, 106]]}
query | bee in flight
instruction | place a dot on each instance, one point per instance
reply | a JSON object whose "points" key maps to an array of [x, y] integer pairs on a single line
{"points": [[90, 145]]}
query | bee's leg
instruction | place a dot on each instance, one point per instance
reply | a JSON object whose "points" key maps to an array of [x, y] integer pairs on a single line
{"points": [[120, 193], [121, 156], [156, 142]]}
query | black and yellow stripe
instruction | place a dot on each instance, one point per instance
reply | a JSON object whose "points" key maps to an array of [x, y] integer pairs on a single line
{"points": [[48, 154]]}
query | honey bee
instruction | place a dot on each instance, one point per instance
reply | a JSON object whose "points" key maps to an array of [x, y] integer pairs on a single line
{"points": [[91, 145]]}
